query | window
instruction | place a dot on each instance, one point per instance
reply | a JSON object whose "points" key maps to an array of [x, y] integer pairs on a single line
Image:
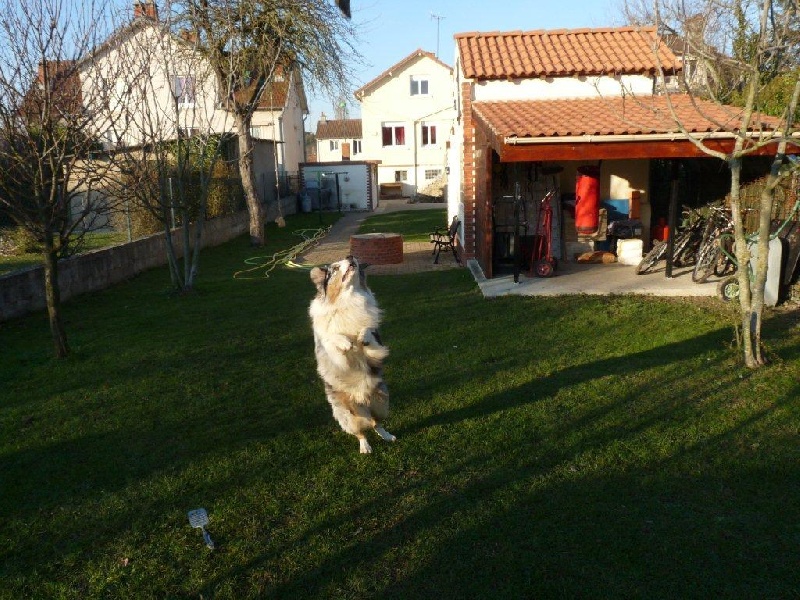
{"points": [[419, 85], [183, 89], [400, 175], [356, 147], [255, 132], [334, 145], [428, 135], [393, 134], [432, 173]]}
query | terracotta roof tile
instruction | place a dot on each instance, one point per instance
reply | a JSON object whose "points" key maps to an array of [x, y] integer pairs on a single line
{"points": [[559, 53], [609, 116], [338, 129]]}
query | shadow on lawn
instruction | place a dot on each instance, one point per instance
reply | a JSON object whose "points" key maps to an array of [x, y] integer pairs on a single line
{"points": [[573, 509]]}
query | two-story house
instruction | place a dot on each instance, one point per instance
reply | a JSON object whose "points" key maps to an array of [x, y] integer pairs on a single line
{"points": [[407, 113], [339, 139], [144, 85], [540, 110]]}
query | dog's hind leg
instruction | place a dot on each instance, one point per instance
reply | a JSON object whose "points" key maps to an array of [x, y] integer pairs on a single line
{"points": [[352, 417], [379, 407]]}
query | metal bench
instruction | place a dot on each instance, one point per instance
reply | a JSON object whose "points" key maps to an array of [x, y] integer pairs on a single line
{"points": [[446, 240]]}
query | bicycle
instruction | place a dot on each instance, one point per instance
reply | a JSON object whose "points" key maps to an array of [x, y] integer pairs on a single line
{"points": [[710, 255], [728, 288], [685, 248]]}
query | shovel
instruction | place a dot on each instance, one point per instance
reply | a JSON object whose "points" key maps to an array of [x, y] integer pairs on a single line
{"points": [[198, 519]]}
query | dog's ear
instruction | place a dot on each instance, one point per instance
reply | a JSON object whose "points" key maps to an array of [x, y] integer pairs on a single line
{"points": [[318, 276]]}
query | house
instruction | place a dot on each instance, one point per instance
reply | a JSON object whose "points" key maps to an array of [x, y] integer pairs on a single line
{"points": [[339, 139], [701, 63], [539, 111], [279, 120], [407, 113], [145, 85]]}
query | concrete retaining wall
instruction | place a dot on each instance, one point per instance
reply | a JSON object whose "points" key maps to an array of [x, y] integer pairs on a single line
{"points": [[22, 292]]}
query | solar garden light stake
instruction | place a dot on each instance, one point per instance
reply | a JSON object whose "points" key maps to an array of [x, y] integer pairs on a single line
{"points": [[198, 519]]}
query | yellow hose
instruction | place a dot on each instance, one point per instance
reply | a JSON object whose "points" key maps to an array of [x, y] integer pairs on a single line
{"points": [[310, 237]]}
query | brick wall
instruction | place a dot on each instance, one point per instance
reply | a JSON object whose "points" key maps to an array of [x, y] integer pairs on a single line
{"points": [[468, 178]]}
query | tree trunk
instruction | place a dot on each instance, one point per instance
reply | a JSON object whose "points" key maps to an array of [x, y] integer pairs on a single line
{"points": [[254, 206], [53, 296], [198, 241], [742, 252]]}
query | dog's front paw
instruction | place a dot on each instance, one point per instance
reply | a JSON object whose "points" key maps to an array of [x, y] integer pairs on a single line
{"points": [[364, 447], [342, 343]]}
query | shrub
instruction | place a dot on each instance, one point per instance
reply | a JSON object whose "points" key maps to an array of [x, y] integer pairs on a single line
{"points": [[21, 241]]}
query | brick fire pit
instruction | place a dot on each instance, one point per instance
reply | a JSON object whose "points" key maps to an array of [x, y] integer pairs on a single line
{"points": [[377, 248]]}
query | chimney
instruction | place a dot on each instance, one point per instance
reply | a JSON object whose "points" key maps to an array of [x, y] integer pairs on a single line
{"points": [[145, 9], [323, 118]]}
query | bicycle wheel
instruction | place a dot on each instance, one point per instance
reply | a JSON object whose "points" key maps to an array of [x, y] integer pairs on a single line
{"points": [[707, 258], [651, 258], [724, 264], [728, 289], [685, 249]]}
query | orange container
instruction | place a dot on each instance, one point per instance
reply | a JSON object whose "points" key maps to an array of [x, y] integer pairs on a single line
{"points": [[660, 231]]}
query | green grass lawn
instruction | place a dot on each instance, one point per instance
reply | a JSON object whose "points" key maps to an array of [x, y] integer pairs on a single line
{"points": [[413, 225], [576, 447]]}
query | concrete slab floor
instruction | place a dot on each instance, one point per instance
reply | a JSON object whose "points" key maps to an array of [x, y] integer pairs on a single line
{"points": [[596, 279]]}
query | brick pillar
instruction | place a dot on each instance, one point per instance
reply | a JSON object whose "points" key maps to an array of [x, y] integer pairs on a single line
{"points": [[468, 176]]}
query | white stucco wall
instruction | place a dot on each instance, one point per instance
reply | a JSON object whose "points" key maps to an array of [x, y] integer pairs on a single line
{"points": [[562, 87], [325, 154], [391, 102], [353, 182], [129, 88], [287, 128]]}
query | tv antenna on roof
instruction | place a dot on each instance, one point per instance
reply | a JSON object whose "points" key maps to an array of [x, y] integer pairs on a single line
{"points": [[438, 21]]}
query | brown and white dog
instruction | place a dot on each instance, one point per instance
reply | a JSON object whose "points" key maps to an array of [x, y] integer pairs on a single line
{"points": [[345, 318]]}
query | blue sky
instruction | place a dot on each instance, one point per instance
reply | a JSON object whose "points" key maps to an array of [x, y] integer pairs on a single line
{"points": [[390, 30]]}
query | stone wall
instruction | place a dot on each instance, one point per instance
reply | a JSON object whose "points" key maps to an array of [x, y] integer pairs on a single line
{"points": [[22, 291]]}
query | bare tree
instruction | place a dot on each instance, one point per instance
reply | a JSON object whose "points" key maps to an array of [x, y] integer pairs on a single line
{"points": [[167, 133], [48, 184], [248, 43], [763, 46]]}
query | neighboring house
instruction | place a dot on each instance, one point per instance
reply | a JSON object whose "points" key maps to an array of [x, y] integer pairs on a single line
{"points": [[339, 139], [145, 85], [279, 119], [535, 107], [698, 60], [407, 113]]}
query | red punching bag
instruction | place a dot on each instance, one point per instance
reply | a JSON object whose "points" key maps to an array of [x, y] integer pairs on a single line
{"points": [[587, 199]]}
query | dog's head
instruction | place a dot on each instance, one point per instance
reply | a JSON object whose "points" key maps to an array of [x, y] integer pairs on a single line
{"points": [[336, 278]]}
